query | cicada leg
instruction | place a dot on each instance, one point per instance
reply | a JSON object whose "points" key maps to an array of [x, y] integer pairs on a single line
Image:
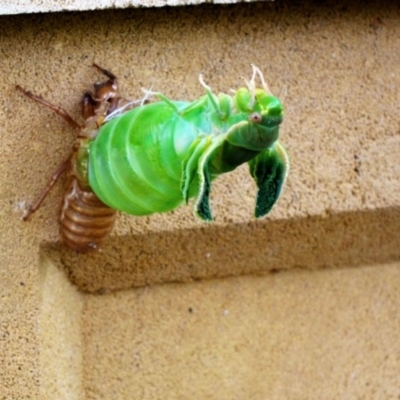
{"points": [[64, 165], [58, 110], [103, 101], [56, 175], [106, 72], [107, 91], [88, 105]]}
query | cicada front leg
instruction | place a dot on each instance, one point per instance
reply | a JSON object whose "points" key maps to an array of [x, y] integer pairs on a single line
{"points": [[106, 100]]}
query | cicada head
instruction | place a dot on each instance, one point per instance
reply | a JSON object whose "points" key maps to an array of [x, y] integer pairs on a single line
{"points": [[260, 113]]}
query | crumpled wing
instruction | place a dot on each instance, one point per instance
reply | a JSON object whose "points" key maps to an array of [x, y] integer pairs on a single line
{"points": [[269, 170]]}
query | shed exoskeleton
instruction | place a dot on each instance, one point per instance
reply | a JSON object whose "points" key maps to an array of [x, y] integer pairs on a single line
{"points": [[85, 221]]}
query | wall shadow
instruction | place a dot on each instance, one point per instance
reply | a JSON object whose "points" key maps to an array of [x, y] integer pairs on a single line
{"points": [[340, 240]]}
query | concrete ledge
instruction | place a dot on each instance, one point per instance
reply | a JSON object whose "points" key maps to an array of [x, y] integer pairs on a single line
{"points": [[332, 241]]}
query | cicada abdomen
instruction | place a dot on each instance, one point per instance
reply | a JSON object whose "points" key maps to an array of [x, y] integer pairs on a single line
{"points": [[136, 164], [85, 220]]}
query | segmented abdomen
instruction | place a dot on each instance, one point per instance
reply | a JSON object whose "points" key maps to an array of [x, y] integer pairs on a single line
{"points": [[85, 220], [135, 162]]}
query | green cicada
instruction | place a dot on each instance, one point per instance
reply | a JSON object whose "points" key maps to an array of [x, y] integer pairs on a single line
{"points": [[159, 155]]}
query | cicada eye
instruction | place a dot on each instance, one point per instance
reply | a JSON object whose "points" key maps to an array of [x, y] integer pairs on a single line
{"points": [[255, 117]]}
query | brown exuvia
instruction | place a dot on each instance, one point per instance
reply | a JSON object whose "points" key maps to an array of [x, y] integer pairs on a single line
{"points": [[85, 220]]}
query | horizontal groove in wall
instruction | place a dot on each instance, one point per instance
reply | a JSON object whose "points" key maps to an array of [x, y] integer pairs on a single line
{"points": [[340, 240]]}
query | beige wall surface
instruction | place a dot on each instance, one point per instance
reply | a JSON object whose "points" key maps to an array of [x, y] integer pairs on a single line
{"points": [[90, 326], [322, 335]]}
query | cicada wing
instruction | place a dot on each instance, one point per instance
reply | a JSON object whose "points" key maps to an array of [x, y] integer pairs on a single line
{"points": [[269, 170], [202, 208]]}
